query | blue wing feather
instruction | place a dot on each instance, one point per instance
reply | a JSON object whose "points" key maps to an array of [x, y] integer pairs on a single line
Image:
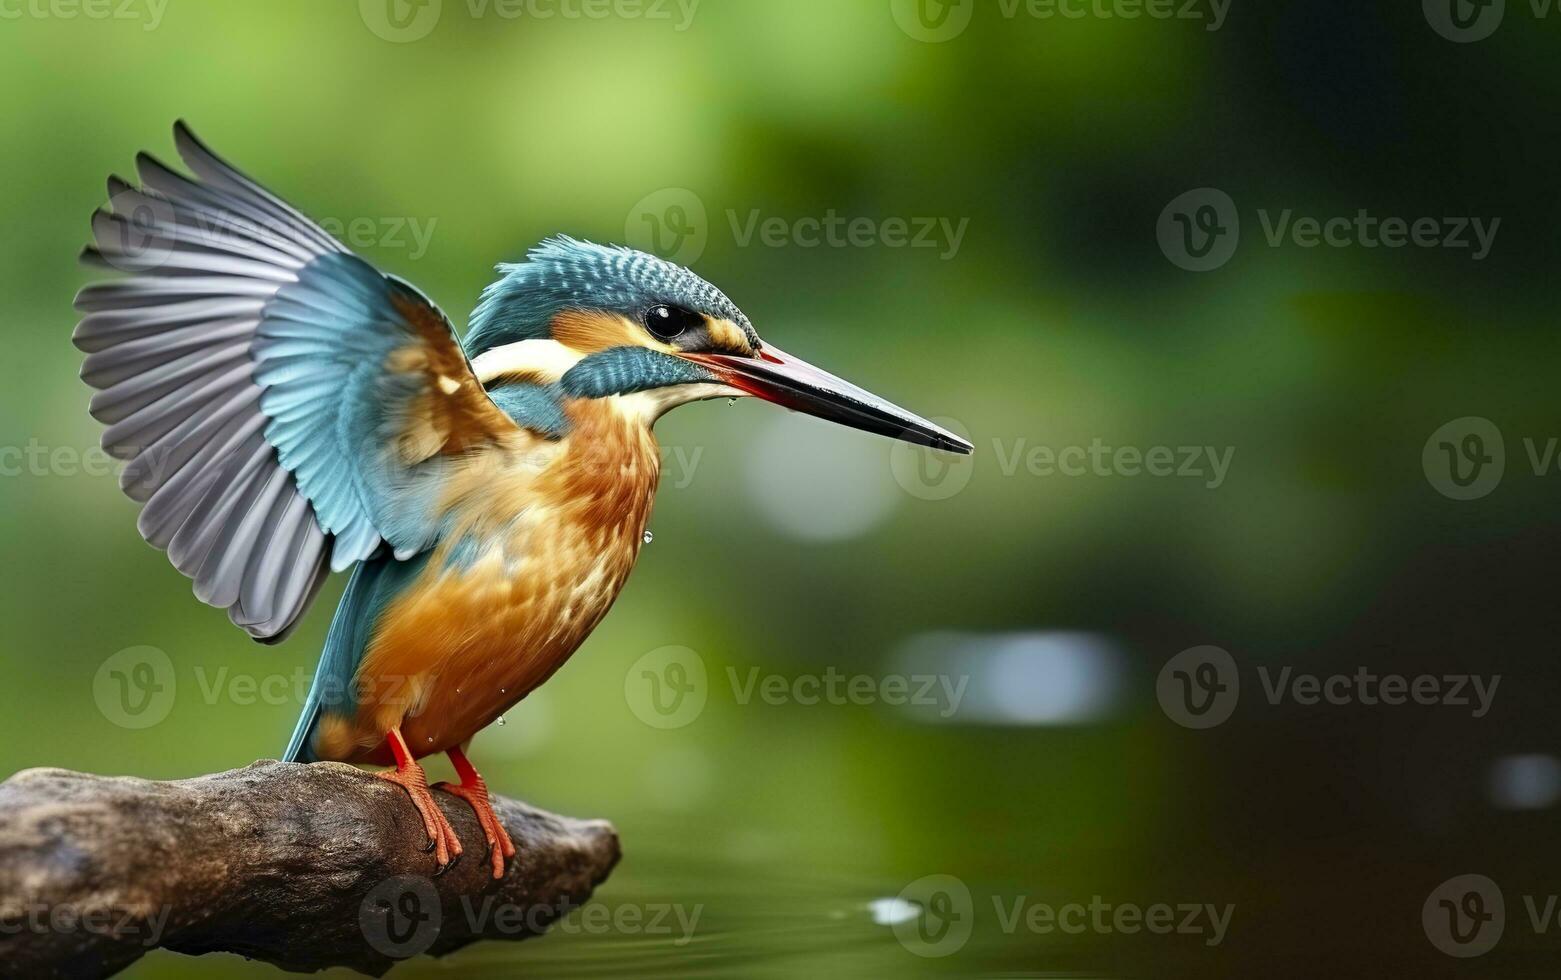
{"points": [[320, 355], [263, 383]]}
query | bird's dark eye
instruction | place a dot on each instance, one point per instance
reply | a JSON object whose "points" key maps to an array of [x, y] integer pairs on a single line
{"points": [[667, 323]]}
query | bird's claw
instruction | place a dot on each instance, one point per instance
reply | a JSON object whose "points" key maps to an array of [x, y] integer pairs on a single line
{"points": [[442, 840], [499, 847]]}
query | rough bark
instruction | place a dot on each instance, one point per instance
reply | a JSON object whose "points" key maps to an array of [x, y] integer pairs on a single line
{"points": [[301, 866]]}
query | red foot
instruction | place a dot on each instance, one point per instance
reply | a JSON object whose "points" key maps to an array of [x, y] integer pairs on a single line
{"points": [[410, 777], [474, 791]]}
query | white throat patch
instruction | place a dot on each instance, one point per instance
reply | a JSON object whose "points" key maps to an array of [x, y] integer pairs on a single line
{"points": [[546, 359]]}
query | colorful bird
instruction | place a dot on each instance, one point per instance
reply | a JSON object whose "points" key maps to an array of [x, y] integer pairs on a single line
{"points": [[285, 411]]}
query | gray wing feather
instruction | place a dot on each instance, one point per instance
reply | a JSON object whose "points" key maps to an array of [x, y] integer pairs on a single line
{"points": [[168, 350]]}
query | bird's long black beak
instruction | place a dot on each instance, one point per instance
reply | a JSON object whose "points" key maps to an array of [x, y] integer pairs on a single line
{"points": [[778, 377]]}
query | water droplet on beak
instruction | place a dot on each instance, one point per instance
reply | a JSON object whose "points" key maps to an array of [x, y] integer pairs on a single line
{"points": [[501, 721], [648, 538]]}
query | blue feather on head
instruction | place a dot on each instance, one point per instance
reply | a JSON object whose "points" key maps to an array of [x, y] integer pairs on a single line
{"points": [[564, 273]]}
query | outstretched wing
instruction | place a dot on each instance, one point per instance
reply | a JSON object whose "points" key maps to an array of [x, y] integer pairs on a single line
{"points": [[282, 406]]}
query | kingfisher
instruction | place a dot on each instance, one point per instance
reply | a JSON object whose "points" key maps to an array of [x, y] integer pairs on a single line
{"points": [[284, 411]]}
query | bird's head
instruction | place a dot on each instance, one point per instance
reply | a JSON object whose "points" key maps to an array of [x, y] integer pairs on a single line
{"points": [[605, 321]]}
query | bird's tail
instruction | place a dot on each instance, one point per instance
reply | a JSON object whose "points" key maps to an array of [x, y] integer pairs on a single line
{"points": [[374, 584], [338, 662], [300, 748]]}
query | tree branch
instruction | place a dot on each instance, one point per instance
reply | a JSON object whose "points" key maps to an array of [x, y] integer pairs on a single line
{"points": [[301, 866]]}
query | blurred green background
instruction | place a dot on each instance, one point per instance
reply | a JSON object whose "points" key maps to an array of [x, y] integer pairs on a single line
{"points": [[442, 138]]}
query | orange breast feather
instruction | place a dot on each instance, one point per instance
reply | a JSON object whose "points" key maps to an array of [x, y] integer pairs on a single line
{"points": [[540, 546]]}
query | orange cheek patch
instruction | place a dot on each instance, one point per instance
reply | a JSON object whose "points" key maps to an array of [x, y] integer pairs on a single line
{"points": [[589, 331], [728, 336]]}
